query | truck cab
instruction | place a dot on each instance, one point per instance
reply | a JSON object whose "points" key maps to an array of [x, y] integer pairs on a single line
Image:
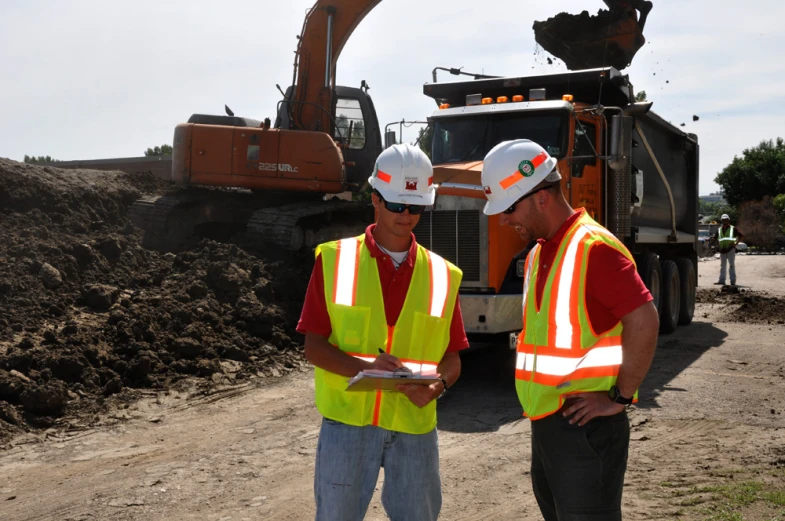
{"points": [[604, 168]]}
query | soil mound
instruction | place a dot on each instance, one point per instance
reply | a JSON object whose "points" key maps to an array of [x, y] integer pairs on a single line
{"points": [[742, 305], [86, 313]]}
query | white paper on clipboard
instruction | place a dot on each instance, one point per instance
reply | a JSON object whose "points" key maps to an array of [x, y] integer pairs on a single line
{"points": [[375, 380]]}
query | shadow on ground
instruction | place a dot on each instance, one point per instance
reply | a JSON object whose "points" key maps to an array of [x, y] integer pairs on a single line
{"points": [[675, 353], [484, 397]]}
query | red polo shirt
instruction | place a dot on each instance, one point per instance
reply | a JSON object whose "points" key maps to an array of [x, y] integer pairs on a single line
{"points": [[613, 286], [395, 285]]}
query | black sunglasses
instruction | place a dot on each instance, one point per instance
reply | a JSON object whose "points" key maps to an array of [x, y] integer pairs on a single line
{"points": [[511, 209], [414, 209]]}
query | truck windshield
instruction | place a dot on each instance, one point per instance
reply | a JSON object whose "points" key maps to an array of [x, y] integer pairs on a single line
{"points": [[470, 138]]}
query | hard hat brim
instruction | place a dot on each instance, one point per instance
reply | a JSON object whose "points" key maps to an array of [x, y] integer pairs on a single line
{"points": [[496, 207]]}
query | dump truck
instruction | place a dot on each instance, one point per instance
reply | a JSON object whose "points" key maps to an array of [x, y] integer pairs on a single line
{"points": [[633, 172]]}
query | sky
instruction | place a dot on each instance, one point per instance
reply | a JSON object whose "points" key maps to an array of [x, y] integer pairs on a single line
{"points": [[91, 79]]}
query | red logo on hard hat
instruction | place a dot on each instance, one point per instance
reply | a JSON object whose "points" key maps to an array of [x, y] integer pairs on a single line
{"points": [[488, 190], [411, 185]]}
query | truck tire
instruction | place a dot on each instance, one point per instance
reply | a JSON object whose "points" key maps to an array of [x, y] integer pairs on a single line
{"points": [[651, 274], [688, 287], [671, 297]]}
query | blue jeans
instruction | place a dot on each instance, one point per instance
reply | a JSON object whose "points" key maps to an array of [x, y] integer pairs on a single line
{"points": [[348, 460]]}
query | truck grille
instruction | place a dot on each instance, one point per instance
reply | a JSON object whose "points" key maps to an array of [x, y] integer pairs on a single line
{"points": [[455, 235]]}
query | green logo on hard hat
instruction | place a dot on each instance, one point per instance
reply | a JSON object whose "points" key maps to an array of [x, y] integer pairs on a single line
{"points": [[526, 168]]}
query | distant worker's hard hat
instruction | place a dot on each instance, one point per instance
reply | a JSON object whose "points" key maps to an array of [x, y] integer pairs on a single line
{"points": [[512, 169], [725, 216], [404, 174]]}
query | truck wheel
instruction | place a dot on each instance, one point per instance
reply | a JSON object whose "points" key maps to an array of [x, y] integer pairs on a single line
{"points": [[671, 297], [651, 274], [687, 287]]}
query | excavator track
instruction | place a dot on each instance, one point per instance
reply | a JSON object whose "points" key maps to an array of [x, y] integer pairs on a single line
{"points": [[305, 225], [169, 221]]}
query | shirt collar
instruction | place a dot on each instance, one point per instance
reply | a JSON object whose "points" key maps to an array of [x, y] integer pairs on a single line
{"points": [[375, 251], [563, 229]]}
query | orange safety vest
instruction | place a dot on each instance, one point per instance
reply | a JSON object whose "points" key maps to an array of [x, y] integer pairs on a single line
{"points": [[558, 352], [419, 338]]}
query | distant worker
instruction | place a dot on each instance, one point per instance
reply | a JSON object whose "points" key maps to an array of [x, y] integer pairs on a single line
{"points": [[727, 238], [588, 340], [382, 292]]}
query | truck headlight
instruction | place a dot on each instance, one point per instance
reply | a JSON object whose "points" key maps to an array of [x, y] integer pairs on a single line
{"points": [[520, 266]]}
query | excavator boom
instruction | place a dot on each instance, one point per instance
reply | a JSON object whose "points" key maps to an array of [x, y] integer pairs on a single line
{"points": [[327, 27]]}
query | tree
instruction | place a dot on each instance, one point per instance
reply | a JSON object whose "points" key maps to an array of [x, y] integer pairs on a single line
{"points": [[779, 205], [163, 150], [714, 211], [759, 173], [425, 140], [759, 222], [40, 159], [640, 96]]}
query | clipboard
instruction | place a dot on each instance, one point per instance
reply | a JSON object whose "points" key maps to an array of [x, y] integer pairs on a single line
{"points": [[372, 380]]}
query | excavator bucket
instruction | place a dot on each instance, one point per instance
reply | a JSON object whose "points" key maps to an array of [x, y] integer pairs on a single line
{"points": [[611, 38]]}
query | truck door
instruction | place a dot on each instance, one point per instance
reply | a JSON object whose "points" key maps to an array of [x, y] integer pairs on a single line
{"points": [[585, 176]]}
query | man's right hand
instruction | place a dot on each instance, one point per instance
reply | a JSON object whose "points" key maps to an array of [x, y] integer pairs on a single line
{"points": [[386, 362]]}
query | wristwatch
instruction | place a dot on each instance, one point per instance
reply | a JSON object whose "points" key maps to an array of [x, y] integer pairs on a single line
{"points": [[615, 395], [444, 383]]}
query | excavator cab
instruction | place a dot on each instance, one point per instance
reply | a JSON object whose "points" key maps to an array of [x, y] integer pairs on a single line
{"points": [[355, 128], [611, 38]]}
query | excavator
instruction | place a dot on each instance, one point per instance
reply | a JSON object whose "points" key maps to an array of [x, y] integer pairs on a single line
{"points": [[278, 182]]}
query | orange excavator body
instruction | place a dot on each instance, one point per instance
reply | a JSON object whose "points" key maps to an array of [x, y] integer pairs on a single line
{"points": [[308, 150]]}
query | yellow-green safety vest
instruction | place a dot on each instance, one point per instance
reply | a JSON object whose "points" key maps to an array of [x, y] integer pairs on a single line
{"points": [[726, 240], [558, 352], [419, 338]]}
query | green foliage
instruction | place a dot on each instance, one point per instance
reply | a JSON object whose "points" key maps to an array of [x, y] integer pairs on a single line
{"points": [[425, 140], [40, 159], [640, 96], [779, 205], [714, 211], [760, 172], [163, 150]]}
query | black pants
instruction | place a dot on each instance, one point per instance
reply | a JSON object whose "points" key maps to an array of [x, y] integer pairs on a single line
{"points": [[578, 472]]}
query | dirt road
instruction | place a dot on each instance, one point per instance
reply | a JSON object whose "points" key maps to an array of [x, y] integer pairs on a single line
{"points": [[708, 438]]}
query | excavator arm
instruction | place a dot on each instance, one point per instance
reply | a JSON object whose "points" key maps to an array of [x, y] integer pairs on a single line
{"points": [[327, 27]]}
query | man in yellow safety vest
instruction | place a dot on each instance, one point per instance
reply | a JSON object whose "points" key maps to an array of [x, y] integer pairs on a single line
{"points": [[588, 339], [381, 301], [727, 238]]}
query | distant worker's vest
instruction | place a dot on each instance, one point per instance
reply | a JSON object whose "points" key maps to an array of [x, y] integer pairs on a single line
{"points": [[727, 240], [419, 339], [558, 351]]}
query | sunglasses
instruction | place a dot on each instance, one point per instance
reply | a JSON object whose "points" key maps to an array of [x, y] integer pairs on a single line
{"points": [[511, 209], [414, 209]]}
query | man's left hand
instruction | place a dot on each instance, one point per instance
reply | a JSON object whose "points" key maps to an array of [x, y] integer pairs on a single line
{"points": [[583, 407], [420, 395]]}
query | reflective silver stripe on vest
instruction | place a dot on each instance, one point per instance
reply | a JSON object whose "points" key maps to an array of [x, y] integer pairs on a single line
{"points": [[563, 365], [347, 268]]}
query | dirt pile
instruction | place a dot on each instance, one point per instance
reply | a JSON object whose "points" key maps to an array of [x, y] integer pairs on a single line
{"points": [[742, 305], [86, 313], [585, 42]]}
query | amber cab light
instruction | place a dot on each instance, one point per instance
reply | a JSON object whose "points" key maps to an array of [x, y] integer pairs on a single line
{"points": [[502, 99], [444, 106], [567, 97], [487, 101], [517, 98]]}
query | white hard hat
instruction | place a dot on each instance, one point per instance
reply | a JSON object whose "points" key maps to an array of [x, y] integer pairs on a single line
{"points": [[724, 216], [512, 169], [404, 174]]}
